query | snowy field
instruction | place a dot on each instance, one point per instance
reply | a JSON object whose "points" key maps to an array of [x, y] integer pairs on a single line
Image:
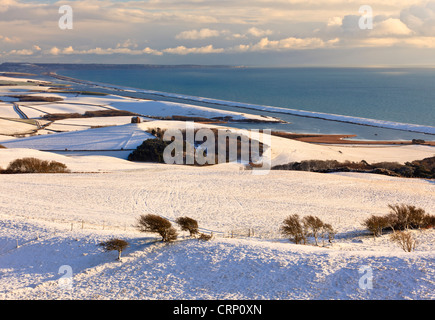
{"points": [[80, 103], [50, 223], [53, 230]]}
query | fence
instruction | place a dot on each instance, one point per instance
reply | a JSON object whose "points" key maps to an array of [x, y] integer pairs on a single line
{"points": [[64, 225]]}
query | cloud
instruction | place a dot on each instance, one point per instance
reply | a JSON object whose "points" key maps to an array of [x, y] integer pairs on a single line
{"points": [[198, 34], [9, 40], [148, 50], [182, 50], [291, 43], [21, 52], [103, 51], [411, 42], [258, 32], [54, 51], [127, 44], [390, 27], [124, 28], [68, 50], [420, 18], [335, 21]]}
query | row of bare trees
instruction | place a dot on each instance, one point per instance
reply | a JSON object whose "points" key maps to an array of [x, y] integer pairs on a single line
{"points": [[400, 220], [401, 217], [162, 226], [298, 230]]}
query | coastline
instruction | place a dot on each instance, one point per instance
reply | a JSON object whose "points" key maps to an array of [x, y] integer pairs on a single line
{"points": [[337, 139], [246, 257], [294, 112], [84, 87]]}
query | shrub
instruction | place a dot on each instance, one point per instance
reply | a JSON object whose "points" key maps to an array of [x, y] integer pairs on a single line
{"points": [[429, 221], [401, 217], [405, 240], [205, 237], [416, 169], [157, 132], [293, 228], [115, 244], [188, 224], [416, 217], [408, 216], [33, 165], [375, 224], [157, 224]]}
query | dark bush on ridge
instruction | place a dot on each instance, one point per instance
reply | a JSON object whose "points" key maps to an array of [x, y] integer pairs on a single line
{"points": [[293, 228], [115, 245], [151, 150], [401, 217], [33, 165], [157, 224], [205, 237], [375, 224], [188, 224], [416, 169]]}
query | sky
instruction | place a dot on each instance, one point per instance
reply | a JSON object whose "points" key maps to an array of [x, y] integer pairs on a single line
{"points": [[216, 32]]}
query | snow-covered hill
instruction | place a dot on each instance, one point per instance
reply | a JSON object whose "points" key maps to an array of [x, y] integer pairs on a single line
{"points": [[54, 230]]}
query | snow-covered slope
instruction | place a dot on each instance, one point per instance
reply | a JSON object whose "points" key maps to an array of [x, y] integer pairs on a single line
{"points": [[283, 150], [108, 138], [53, 231]]}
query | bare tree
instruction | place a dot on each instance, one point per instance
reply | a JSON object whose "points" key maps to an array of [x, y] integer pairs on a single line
{"points": [[188, 224], [314, 224], [391, 221], [408, 216], [416, 217], [328, 230], [405, 240], [115, 244], [157, 224], [293, 228], [375, 224]]}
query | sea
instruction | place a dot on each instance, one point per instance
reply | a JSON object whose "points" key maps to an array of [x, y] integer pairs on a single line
{"points": [[397, 95]]}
